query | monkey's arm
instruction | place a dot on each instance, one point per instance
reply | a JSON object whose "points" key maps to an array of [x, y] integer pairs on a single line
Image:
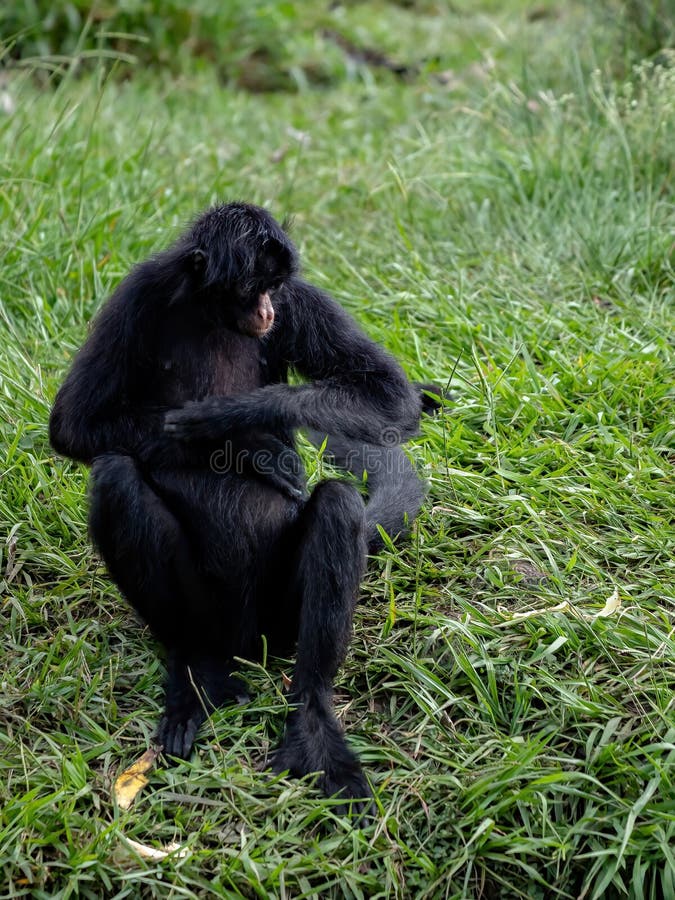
{"points": [[98, 408], [357, 389], [91, 413]]}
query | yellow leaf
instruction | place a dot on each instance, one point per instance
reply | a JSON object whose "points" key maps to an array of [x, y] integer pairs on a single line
{"points": [[133, 779]]}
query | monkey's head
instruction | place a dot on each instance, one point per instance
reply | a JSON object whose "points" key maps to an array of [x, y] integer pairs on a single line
{"points": [[239, 257]]}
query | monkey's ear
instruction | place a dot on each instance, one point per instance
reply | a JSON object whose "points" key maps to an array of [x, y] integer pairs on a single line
{"points": [[274, 249], [186, 265], [278, 258], [198, 261]]}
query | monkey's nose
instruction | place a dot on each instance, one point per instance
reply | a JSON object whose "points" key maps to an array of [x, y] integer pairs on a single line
{"points": [[265, 311]]}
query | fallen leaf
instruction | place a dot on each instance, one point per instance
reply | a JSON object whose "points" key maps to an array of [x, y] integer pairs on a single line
{"points": [[559, 607], [530, 614], [279, 153], [612, 603], [530, 574], [153, 853], [133, 779]]}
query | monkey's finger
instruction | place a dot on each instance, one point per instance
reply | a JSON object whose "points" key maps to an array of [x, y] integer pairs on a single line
{"points": [[191, 728], [173, 419], [170, 736], [293, 488], [180, 424], [434, 398]]}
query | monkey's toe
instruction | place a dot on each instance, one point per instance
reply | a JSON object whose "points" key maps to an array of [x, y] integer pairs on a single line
{"points": [[176, 732], [352, 789]]}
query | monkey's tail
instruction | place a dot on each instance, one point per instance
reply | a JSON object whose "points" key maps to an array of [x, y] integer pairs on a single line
{"points": [[395, 490]]}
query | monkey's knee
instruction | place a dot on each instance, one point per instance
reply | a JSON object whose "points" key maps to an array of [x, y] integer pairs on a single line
{"points": [[115, 480], [113, 473], [126, 515], [340, 497], [337, 508]]}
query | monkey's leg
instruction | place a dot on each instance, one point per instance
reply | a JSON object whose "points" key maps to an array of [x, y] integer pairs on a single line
{"points": [[151, 560], [325, 583]]}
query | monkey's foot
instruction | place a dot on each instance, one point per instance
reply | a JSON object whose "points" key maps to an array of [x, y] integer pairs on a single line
{"points": [[313, 742], [192, 692], [178, 728]]}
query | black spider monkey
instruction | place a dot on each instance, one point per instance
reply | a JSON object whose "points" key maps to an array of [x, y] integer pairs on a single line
{"points": [[214, 558]]}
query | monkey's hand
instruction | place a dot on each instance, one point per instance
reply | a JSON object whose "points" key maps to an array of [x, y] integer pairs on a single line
{"points": [[237, 447], [266, 458], [202, 420], [434, 397]]}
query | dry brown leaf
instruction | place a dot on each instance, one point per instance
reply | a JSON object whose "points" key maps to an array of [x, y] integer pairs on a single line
{"points": [[133, 779]]}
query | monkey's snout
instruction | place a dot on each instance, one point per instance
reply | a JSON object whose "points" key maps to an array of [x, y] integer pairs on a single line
{"points": [[263, 317], [265, 310]]}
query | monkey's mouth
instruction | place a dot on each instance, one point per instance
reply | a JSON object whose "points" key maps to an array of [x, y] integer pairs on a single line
{"points": [[255, 329]]}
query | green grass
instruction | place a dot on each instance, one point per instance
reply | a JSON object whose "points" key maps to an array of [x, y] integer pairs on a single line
{"points": [[509, 231]]}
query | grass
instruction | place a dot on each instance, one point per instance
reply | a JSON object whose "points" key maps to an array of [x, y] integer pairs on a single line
{"points": [[508, 229]]}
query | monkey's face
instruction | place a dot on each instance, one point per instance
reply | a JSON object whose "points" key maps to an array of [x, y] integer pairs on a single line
{"points": [[254, 295], [241, 256]]}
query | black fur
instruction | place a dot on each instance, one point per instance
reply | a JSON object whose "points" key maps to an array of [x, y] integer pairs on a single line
{"points": [[214, 557]]}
